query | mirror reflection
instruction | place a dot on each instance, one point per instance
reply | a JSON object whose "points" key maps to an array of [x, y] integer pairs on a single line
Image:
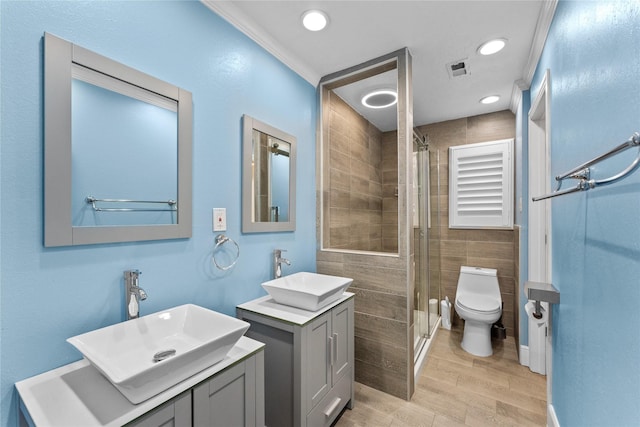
{"points": [[270, 169], [124, 154], [268, 187], [360, 162]]}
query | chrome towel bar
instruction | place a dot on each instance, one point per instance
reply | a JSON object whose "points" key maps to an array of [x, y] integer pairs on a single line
{"points": [[92, 200], [583, 173]]}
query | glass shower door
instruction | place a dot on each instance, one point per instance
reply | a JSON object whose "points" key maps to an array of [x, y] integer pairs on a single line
{"points": [[421, 246]]}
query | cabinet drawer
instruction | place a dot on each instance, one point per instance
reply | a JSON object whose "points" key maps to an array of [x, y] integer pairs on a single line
{"points": [[330, 406]]}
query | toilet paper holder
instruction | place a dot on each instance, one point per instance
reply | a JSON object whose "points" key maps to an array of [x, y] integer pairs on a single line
{"points": [[541, 292]]}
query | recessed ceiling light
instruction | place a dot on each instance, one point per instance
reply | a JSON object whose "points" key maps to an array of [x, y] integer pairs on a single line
{"points": [[492, 46], [314, 20], [380, 99], [490, 99]]}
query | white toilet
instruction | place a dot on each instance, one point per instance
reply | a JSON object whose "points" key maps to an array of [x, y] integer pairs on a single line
{"points": [[479, 303]]}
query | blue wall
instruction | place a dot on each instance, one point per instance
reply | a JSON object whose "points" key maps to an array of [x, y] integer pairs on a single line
{"points": [[48, 295], [592, 51]]}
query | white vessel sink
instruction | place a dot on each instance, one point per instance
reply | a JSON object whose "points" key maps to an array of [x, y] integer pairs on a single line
{"points": [[145, 356], [309, 291]]}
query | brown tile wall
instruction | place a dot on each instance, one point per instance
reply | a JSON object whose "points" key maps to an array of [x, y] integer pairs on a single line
{"points": [[473, 247], [382, 347], [389, 166], [356, 195]]}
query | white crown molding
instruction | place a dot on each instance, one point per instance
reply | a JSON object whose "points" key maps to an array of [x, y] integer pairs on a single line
{"points": [[232, 14], [537, 45], [516, 94]]}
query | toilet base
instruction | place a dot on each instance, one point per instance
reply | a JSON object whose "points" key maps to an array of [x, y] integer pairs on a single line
{"points": [[476, 338]]}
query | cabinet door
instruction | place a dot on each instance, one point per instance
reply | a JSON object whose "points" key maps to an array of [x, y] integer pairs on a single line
{"points": [[175, 413], [342, 325], [318, 363], [228, 400]]}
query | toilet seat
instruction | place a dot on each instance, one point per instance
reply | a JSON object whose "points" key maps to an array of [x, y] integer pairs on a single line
{"points": [[479, 303]]}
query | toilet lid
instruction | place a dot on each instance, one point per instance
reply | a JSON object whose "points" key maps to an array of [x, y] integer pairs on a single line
{"points": [[479, 302]]}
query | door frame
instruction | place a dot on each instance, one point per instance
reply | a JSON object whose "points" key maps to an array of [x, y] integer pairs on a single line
{"points": [[539, 229]]}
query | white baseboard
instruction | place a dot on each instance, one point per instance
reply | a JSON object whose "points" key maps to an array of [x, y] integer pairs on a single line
{"points": [[524, 355], [552, 419]]}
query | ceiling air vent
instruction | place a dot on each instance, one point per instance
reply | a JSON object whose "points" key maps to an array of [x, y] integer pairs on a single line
{"points": [[458, 68]]}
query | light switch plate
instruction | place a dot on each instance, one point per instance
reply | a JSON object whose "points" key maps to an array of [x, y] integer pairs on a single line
{"points": [[219, 219]]}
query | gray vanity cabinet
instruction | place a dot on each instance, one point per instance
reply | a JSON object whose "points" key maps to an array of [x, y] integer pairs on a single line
{"points": [[176, 412], [308, 360], [232, 398], [229, 393], [228, 400]]}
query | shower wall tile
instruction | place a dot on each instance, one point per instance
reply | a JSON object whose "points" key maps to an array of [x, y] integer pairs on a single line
{"points": [[504, 266], [355, 180], [490, 127], [380, 304], [489, 248], [381, 379], [339, 199], [381, 318], [380, 355], [339, 217], [390, 281], [382, 330]]}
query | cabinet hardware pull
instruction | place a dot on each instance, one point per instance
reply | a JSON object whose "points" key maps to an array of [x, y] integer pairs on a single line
{"points": [[331, 408], [330, 349], [335, 345]]}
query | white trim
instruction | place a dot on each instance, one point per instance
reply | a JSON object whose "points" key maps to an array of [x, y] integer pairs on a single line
{"points": [[540, 212], [539, 38], [537, 45], [519, 86], [540, 257], [552, 418], [524, 355], [234, 15]]}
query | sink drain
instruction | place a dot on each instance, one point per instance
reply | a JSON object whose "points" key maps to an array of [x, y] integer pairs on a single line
{"points": [[164, 354]]}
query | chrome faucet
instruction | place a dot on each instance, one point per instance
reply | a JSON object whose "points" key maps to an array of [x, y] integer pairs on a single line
{"points": [[133, 294], [277, 263]]}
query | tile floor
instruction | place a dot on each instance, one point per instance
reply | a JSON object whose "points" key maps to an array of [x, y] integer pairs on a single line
{"points": [[458, 389]]}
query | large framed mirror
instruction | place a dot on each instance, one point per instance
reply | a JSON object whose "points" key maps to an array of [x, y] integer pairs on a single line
{"points": [[118, 146], [268, 178], [359, 150]]}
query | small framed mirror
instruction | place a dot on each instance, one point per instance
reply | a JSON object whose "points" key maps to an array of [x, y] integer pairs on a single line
{"points": [[118, 149], [268, 178]]}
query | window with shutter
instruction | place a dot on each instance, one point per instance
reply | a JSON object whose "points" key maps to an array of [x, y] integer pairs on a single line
{"points": [[481, 185]]}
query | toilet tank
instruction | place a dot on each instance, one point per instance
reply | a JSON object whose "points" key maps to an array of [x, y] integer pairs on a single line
{"points": [[479, 280]]}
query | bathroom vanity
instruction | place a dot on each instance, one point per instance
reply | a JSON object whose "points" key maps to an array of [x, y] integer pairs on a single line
{"points": [[309, 356], [231, 392]]}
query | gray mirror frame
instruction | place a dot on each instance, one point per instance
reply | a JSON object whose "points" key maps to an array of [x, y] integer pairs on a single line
{"points": [[59, 55], [248, 226]]}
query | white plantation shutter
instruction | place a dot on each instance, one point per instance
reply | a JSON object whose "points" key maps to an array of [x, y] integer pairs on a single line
{"points": [[481, 185]]}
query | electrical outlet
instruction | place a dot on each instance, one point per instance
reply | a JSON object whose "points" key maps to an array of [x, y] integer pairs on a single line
{"points": [[219, 219]]}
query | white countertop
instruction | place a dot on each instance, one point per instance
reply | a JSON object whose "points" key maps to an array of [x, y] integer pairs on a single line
{"points": [[266, 306], [78, 395]]}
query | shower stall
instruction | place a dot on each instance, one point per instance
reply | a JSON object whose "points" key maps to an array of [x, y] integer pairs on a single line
{"points": [[426, 230]]}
